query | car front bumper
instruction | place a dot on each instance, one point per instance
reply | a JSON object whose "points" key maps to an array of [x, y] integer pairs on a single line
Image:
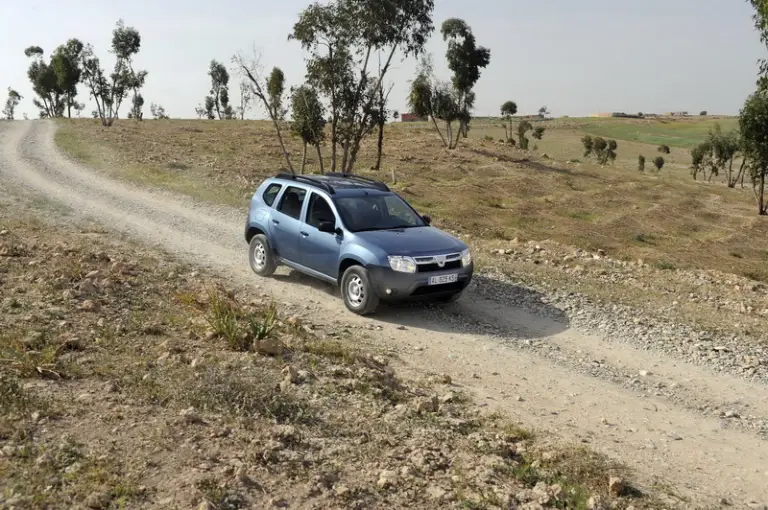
{"points": [[393, 285]]}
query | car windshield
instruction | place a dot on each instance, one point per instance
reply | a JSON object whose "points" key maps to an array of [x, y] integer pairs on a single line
{"points": [[377, 212]]}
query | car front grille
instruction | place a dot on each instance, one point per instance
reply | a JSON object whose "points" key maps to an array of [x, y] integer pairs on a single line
{"points": [[433, 263]]}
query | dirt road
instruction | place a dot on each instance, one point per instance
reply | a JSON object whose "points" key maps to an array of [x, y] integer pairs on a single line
{"points": [[478, 341]]}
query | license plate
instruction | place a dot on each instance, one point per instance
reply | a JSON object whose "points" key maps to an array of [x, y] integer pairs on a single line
{"points": [[443, 278]]}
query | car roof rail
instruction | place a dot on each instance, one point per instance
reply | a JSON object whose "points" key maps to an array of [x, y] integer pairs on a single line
{"points": [[307, 180], [378, 184]]}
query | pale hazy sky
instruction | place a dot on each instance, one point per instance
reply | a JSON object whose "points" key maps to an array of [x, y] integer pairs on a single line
{"points": [[576, 57]]}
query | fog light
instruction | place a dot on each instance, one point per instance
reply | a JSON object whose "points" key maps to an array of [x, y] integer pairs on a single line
{"points": [[389, 291]]}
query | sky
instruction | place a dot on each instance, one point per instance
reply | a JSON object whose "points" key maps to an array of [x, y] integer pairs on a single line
{"points": [[577, 58]]}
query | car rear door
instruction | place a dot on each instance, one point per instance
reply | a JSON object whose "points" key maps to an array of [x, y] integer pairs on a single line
{"points": [[319, 250], [285, 223]]}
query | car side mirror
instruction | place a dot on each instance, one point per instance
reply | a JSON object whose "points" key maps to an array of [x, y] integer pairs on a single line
{"points": [[328, 227], [427, 219]]}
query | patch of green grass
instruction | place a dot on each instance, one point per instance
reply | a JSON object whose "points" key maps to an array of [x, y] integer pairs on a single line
{"points": [[676, 133], [239, 327]]}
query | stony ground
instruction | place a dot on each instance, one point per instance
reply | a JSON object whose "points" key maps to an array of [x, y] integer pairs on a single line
{"points": [[129, 380], [640, 371]]}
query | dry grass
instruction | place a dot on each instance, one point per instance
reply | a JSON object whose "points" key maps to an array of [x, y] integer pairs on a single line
{"points": [[130, 381], [485, 188]]}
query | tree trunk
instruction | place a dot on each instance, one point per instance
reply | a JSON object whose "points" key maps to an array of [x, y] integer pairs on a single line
{"points": [[437, 128], [282, 144], [304, 159], [761, 199], [379, 145], [320, 158], [334, 141]]}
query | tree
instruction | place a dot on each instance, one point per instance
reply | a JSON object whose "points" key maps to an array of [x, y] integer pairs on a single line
{"points": [[658, 163], [157, 111], [465, 60], [603, 150], [270, 93], [344, 37], [703, 113], [65, 62], [109, 92], [325, 31], [379, 116], [210, 104], [44, 84], [245, 99], [508, 110], [641, 163], [664, 149], [219, 90], [432, 99], [543, 111], [137, 103], [201, 112], [308, 121], [760, 18], [522, 128], [11, 103], [698, 155], [753, 124]]}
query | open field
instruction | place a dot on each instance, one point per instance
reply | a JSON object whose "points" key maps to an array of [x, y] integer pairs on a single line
{"points": [[484, 188], [682, 406], [130, 380]]}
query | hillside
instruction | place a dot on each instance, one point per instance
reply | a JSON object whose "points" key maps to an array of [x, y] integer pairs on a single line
{"points": [[486, 189]]}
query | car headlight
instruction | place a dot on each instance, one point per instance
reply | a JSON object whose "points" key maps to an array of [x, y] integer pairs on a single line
{"points": [[402, 264], [466, 258]]}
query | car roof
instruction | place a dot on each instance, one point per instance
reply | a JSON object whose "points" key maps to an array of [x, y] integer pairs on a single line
{"points": [[340, 185]]}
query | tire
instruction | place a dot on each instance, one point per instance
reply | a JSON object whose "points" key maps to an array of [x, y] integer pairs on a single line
{"points": [[260, 256], [357, 291], [450, 298]]}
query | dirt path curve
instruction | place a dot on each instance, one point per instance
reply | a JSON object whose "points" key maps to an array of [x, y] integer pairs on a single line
{"points": [[478, 341]]}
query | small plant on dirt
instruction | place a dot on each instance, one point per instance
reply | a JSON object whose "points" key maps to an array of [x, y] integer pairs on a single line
{"points": [[261, 327], [236, 325], [223, 317], [658, 163], [641, 163], [664, 149]]}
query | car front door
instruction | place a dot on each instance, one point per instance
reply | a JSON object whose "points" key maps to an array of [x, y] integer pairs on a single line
{"points": [[286, 223], [319, 250]]}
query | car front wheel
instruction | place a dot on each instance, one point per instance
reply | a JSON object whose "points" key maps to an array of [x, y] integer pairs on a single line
{"points": [[357, 291], [260, 256]]}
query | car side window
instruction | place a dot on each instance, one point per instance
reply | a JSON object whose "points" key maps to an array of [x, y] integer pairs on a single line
{"points": [[270, 194], [397, 209], [291, 202], [319, 210]]}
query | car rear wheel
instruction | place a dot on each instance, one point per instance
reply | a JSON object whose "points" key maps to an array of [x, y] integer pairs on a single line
{"points": [[357, 291], [260, 256]]}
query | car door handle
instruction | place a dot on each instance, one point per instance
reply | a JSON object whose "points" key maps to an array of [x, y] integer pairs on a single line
{"points": [[275, 222], [304, 234]]}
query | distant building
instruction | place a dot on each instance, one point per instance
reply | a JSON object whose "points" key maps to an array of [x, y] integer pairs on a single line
{"points": [[617, 114], [411, 117]]}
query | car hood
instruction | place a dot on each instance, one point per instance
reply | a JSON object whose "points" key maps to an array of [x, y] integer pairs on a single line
{"points": [[415, 241]]}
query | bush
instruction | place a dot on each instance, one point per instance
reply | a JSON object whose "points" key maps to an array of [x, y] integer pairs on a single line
{"points": [[664, 149], [641, 163], [703, 113], [658, 163]]}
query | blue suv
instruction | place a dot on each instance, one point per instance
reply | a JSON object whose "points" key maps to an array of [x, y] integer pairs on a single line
{"points": [[356, 233]]}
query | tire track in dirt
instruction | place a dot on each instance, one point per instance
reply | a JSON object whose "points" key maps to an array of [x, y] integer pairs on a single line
{"points": [[659, 439]]}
